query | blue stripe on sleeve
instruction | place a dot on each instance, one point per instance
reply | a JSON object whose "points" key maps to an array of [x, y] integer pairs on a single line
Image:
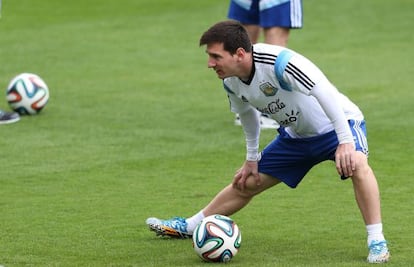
{"points": [[280, 65]]}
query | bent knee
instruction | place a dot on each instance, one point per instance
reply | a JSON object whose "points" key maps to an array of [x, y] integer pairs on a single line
{"points": [[249, 190], [362, 168], [252, 187]]}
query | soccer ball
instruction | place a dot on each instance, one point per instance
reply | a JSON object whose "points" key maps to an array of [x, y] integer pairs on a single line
{"points": [[27, 94], [216, 238]]}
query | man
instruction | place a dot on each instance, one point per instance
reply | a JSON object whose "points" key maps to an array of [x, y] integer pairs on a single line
{"points": [[8, 117], [318, 123]]}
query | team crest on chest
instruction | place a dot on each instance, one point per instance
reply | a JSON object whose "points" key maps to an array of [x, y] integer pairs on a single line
{"points": [[268, 89]]}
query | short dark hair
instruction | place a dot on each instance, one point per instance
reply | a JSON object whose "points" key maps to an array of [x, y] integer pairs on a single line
{"points": [[231, 33]]}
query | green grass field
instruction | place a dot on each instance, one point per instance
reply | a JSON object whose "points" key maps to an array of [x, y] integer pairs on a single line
{"points": [[137, 126]]}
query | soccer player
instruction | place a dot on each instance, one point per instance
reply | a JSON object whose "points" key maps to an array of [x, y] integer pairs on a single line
{"points": [[275, 19], [317, 123]]}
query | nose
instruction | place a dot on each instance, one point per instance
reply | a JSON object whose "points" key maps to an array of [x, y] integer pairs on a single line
{"points": [[211, 63]]}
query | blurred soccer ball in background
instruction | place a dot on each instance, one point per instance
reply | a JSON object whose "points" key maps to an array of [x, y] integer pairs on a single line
{"points": [[27, 94]]}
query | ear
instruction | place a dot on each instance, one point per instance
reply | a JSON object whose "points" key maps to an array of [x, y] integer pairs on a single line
{"points": [[240, 53]]}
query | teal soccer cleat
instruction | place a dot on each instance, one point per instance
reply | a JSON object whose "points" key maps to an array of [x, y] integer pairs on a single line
{"points": [[378, 252], [175, 227]]}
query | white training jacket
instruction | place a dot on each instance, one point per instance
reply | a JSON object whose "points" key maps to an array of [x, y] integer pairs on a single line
{"points": [[294, 92]]}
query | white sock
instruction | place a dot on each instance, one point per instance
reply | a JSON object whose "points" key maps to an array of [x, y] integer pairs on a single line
{"points": [[193, 221], [374, 232]]}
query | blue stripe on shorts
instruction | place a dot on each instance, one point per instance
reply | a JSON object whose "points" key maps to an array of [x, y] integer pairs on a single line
{"points": [[290, 159]]}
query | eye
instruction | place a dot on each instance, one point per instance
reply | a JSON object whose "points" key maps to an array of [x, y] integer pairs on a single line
{"points": [[218, 57], [215, 56]]}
